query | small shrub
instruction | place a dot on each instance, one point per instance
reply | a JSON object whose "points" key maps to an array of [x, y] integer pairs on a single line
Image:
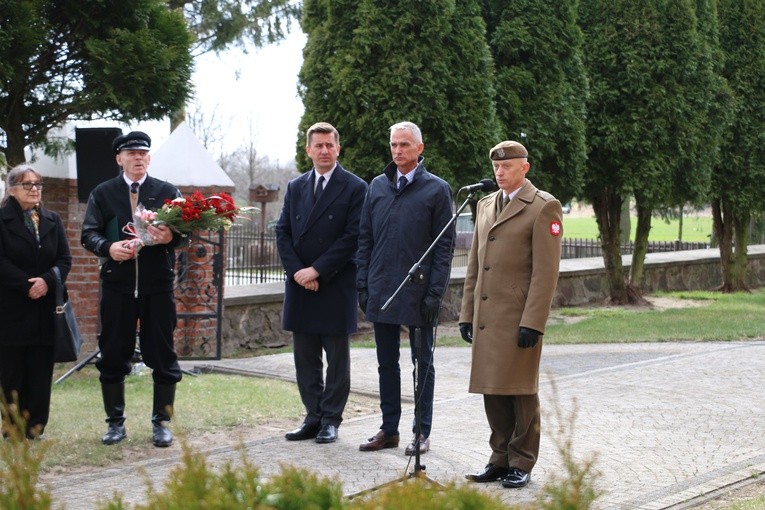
{"points": [[20, 461], [193, 485], [298, 489], [416, 494], [575, 490]]}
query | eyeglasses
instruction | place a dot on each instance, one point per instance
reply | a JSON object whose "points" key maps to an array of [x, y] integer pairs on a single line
{"points": [[29, 185]]}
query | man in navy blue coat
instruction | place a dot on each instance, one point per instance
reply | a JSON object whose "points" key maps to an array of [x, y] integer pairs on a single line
{"points": [[405, 210], [317, 237]]}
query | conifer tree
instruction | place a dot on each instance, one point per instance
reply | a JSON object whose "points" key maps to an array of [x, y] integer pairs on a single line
{"points": [[737, 184], [369, 64], [541, 87], [650, 100]]}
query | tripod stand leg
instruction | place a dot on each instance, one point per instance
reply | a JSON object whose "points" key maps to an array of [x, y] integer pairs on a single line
{"points": [[79, 365]]}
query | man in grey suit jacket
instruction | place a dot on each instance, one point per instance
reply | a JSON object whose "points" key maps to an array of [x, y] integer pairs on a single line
{"points": [[317, 238]]}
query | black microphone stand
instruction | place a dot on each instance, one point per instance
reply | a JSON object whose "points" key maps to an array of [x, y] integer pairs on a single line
{"points": [[418, 467]]}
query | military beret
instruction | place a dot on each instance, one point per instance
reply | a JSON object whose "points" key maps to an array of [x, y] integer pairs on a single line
{"points": [[135, 140], [508, 150]]}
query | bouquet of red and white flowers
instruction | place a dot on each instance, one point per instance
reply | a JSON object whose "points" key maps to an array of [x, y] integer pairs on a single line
{"points": [[197, 212], [186, 215]]}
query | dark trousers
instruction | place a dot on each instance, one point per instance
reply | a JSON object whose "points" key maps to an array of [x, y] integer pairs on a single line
{"points": [[26, 372], [120, 316], [515, 430], [388, 341], [324, 402]]}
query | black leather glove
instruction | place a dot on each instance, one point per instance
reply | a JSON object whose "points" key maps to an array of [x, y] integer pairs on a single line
{"points": [[363, 298], [528, 337], [429, 309], [466, 330]]}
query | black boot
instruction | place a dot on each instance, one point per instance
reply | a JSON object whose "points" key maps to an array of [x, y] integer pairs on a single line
{"points": [[114, 405], [164, 397]]}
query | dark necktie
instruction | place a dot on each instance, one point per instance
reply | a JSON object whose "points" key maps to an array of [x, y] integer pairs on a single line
{"points": [[402, 182], [502, 203], [319, 189], [134, 195]]}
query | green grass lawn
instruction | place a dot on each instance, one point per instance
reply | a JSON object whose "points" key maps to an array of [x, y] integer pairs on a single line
{"points": [[708, 316], [711, 316], [695, 229], [206, 403]]}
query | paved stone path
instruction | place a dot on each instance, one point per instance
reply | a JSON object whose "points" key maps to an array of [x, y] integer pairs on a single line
{"points": [[666, 422]]}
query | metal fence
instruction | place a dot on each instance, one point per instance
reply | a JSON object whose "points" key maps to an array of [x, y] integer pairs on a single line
{"points": [[252, 257], [581, 248]]}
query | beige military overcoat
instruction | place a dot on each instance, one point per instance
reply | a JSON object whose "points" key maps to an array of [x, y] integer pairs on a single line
{"points": [[510, 282]]}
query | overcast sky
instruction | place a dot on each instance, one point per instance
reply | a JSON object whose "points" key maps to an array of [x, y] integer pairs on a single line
{"points": [[251, 95]]}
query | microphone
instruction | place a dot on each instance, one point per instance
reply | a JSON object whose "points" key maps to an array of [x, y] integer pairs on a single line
{"points": [[484, 185]]}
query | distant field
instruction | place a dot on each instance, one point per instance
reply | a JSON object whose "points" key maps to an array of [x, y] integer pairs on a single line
{"points": [[695, 229]]}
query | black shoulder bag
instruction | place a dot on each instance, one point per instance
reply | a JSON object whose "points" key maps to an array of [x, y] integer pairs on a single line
{"points": [[67, 339]]}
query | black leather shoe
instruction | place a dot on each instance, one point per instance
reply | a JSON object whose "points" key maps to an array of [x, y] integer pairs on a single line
{"points": [[161, 436], [490, 473], [114, 434], [516, 479], [304, 432], [327, 434]]}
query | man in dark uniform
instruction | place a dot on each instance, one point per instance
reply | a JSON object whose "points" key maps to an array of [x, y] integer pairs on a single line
{"points": [[136, 287], [317, 237], [510, 282]]}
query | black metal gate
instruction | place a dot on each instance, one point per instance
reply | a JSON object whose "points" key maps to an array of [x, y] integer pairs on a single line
{"points": [[199, 296]]}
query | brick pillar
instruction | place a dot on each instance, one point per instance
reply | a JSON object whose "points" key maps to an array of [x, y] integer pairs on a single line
{"points": [[195, 336]]}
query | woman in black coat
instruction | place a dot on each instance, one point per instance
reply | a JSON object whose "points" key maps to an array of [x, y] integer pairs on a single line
{"points": [[32, 242]]}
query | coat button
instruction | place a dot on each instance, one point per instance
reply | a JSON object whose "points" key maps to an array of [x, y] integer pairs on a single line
{"points": [[484, 297], [481, 326], [486, 268], [492, 238]]}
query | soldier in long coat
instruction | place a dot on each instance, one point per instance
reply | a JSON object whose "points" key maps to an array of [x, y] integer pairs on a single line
{"points": [[509, 286]]}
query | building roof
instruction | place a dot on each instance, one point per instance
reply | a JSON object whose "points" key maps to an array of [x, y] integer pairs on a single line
{"points": [[183, 160]]}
